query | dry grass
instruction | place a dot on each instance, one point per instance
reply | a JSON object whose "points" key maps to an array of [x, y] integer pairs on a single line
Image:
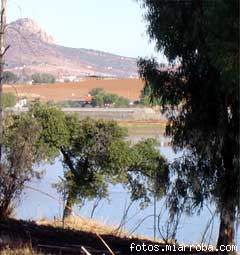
{"points": [[144, 127], [85, 225], [19, 251], [129, 88], [92, 226]]}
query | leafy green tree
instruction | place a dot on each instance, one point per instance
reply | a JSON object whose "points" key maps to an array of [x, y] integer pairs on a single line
{"points": [[100, 157], [86, 160], [9, 77], [9, 100], [96, 91], [95, 155], [20, 155], [201, 99], [39, 78], [102, 98], [55, 128], [144, 172]]}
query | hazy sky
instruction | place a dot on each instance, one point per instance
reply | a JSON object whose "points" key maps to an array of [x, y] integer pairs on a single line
{"points": [[115, 26]]}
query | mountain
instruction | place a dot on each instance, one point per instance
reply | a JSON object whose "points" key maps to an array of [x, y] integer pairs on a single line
{"points": [[33, 50]]}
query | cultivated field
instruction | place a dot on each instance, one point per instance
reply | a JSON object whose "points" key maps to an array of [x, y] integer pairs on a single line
{"points": [[129, 88]]}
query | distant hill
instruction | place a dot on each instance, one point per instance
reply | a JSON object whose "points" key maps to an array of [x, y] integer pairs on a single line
{"points": [[33, 50]]}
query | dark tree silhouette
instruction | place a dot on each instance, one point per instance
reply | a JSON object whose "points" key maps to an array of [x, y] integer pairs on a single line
{"points": [[201, 101]]}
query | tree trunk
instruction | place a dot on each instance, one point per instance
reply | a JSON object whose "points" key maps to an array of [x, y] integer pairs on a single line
{"points": [[3, 49], [226, 229], [229, 191], [68, 208]]}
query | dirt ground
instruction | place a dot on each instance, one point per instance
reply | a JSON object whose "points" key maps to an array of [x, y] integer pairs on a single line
{"points": [[55, 240], [129, 88]]}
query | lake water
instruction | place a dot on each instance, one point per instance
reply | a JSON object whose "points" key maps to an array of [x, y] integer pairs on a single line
{"points": [[36, 205]]}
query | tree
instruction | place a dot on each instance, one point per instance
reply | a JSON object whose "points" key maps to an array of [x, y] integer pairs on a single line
{"points": [[20, 154], [39, 78], [101, 98], [56, 131], [96, 91], [9, 77], [3, 50], [95, 155], [86, 161], [143, 170], [201, 100]]}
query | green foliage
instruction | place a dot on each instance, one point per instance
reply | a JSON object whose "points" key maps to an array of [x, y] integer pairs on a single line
{"points": [[20, 154], [148, 172], [55, 130], [102, 98], [9, 100], [39, 78], [87, 160], [96, 154], [9, 77], [147, 99], [201, 99], [68, 104], [96, 91]]}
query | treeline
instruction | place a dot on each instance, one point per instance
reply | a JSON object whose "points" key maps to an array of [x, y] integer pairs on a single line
{"points": [[99, 98], [36, 78]]}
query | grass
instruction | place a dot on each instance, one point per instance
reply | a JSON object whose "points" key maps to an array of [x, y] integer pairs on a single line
{"points": [[19, 251], [49, 236], [92, 226], [144, 127], [85, 225], [81, 231]]}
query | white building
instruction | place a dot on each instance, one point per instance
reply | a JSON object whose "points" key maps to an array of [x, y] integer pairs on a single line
{"points": [[21, 103]]}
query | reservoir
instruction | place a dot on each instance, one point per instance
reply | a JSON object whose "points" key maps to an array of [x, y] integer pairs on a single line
{"points": [[36, 205]]}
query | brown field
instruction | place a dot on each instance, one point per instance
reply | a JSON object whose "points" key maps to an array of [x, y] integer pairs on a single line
{"points": [[129, 88]]}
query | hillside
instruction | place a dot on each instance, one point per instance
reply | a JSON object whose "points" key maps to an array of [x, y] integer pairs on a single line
{"points": [[33, 50], [48, 239]]}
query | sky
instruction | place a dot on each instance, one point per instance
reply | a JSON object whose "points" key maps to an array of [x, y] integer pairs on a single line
{"points": [[115, 26]]}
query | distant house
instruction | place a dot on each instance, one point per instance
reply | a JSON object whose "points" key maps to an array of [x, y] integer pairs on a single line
{"points": [[68, 78], [29, 82], [21, 103]]}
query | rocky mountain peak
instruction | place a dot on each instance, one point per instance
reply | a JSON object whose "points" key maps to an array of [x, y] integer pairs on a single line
{"points": [[28, 27], [32, 50]]}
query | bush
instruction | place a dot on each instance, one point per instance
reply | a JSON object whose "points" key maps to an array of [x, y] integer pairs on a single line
{"points": [[146, 98], [9, 78], [68, 104], [43, 78], [101, 98], [9, 100]]}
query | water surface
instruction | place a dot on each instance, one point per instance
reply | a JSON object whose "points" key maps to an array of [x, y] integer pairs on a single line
{"points": [[36, 205]]}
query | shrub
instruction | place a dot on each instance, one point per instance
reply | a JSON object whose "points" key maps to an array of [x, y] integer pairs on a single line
{"points": [[101, 98], [9, 77], [9, 100], [43, 78]]}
